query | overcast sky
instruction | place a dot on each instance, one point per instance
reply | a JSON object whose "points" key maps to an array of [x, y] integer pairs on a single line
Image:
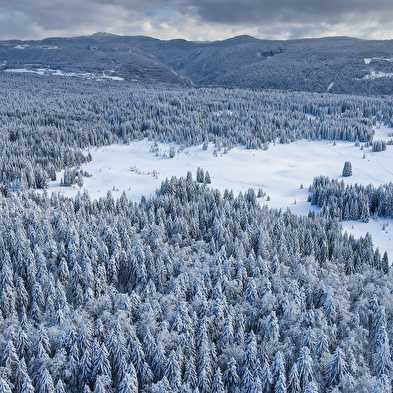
{"points": [[197, 19]]}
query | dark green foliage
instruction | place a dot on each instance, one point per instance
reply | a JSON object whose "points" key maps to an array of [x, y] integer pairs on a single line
{"points": [[128, 311], [200, 175], [172, 152], [207, 178], [379, 146], [351, 202], [347, 170]]}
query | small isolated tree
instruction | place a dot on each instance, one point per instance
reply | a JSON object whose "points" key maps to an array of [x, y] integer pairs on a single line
{"points": [[172, 152], [207, 178], [385, 263], [347, 170]]}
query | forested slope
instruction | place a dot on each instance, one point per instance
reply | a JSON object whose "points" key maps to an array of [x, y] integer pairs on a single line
{"points": [[192, 290], [189, 290], [340, 65]]}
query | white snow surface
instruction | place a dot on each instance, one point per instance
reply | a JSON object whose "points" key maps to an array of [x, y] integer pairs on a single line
{"points": [[49, 47], [383, 133], [369, 60], [380, 229], [378, 75], [49, 71], [23, 70], [137, 170], [310, 116]]}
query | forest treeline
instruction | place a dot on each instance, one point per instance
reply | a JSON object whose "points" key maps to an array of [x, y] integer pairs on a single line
{"points": [[47, 123], [351, 201], [192, 290]]}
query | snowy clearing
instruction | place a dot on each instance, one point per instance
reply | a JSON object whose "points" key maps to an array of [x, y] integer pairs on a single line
{"points": [[21, 46], [23, 70], [369, 60], [380, 229], [378, 74], [48, 47], [383, 133], [139, 168], [83, 75]]}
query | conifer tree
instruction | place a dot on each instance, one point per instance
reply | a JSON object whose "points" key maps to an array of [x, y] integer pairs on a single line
{"points": [[336, 368], [347, 170], [305, 367], [217, 385], [128, 384], [230, 377]]}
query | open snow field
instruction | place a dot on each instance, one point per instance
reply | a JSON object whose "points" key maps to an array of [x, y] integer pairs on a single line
{"points": [[48, 71], [280, 171]]}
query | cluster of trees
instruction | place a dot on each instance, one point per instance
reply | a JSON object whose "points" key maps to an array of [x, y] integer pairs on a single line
{"points": [[191, 290], [351, 202], [379, 146], [202, 177], [43, 133], [73, 176]]}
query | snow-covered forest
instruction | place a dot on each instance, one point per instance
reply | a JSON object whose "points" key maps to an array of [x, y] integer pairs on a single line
{"points": [[43, 133], [192, 289], [351, 202]]}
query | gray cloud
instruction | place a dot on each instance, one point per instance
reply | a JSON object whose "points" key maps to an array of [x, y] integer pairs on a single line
{"points": [[197, 19], [299, 11]]}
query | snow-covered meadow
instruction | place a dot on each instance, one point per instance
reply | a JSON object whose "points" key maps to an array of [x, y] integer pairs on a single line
{"points": [[49, 71], [283, 171]]}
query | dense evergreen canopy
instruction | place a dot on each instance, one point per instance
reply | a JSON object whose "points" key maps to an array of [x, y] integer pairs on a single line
{"points": [[192, 290]]}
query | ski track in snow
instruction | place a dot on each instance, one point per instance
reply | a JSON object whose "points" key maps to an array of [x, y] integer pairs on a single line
{"points": [[279, 171]]}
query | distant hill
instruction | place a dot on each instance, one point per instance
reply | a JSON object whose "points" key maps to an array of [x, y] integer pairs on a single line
{"points": [[336, 65]]}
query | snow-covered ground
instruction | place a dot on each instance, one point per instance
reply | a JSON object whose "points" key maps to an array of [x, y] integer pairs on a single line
{"points": [[383, 133], [378, 74], [380, 229], [280, 171], [48, 71], [24, 70], [369, 60]]}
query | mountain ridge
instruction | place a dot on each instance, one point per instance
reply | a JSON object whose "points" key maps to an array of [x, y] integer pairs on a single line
{"points": [[353, 65]]}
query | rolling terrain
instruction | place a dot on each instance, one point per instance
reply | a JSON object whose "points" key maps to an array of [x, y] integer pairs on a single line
{"points": [[337, 65], [121, 271]]}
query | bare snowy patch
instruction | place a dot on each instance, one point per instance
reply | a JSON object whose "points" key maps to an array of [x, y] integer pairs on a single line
{"points": [[82, 75], [383, 132], [369, 60], [49, 47], [378, 75], [381, 230], [24, 70], [21, 47]]}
